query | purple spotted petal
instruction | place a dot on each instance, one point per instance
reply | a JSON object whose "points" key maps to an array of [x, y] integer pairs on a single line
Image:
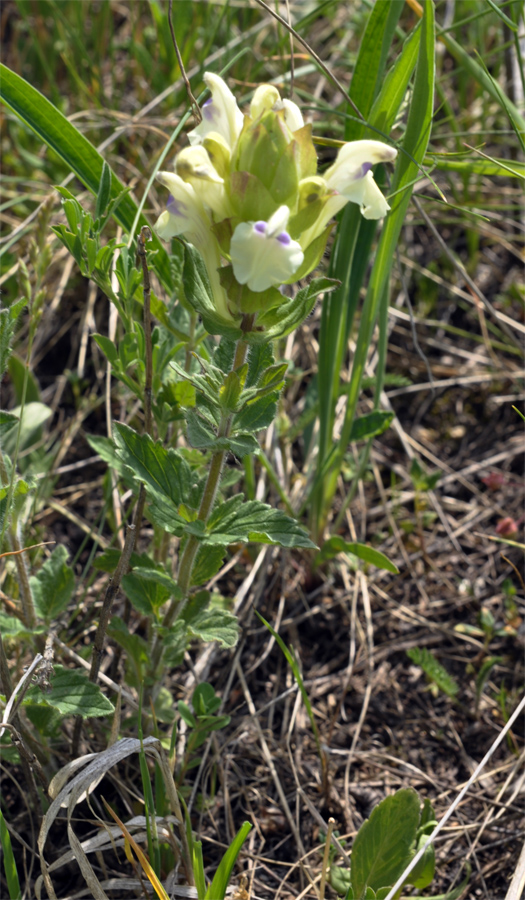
{"points": [[176, 207], [284, 238], [362, 171], [260, 227]]}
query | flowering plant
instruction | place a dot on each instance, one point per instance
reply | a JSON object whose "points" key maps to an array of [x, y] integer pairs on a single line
{"points": [[246, 193]]}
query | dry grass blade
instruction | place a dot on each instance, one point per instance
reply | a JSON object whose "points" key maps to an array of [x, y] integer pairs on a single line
{"points": [[130, 842], [71, 794]]}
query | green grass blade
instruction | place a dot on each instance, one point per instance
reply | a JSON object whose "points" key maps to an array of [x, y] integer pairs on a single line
{"points": [[407, 169], [11, 872], [292, 662], [484, 79], [352, 252], [221, 879], [388, 102], [198, 870], [371, 62], [39, 114]]}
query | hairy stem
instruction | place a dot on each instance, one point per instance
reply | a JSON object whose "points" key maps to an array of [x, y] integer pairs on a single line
{"points": [[189, 553]]}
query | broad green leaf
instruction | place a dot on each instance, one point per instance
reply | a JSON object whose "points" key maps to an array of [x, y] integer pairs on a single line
{"points": [[33, 417], [204, 699], [20, 375], [10, 625], [145, 595], [174, 643], [369, 426], [258, 414], [73, 695], [106, 449], [159, 577], [7, 422], [52, 587], [260, 358], [381, 849], [434, 670], [215, 625], [164, 472], [78, 153], [240, 520], [335, 545], [207, 564]]}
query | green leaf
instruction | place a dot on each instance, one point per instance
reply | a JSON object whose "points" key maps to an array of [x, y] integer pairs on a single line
{"points": [[108, 349], [145, 594], [7, 422], [135, 646], [340, 880], [434, 670], [204, 699], [239, 520], [207, 563], [368, 74], [215, 625], [10, 869], [20, 375], [386, 106], [199, 294], [77, 152], [423, 872], [105, 448], [257, 414], [110, 558], [73, 695], [164, 472], [407, 171], [10, 625], [381, 849], [174, 643], [186, 714], [369, 426], [202, 436], [335, 545], [104, 191], [33, 417], [490, 167], [260, 358], [52, 587], [221, 879], [280, 322]]}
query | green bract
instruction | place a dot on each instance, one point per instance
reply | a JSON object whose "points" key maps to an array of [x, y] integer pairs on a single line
{"points": [[247, 195]]}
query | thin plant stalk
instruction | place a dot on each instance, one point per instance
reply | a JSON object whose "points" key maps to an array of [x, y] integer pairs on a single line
{"points": [[189, 553]]}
